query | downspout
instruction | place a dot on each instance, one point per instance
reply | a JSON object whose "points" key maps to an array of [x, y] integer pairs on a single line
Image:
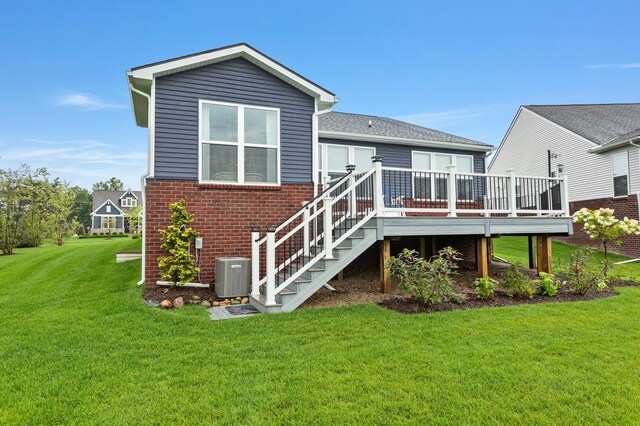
{"points": [[143, 183], [315, 140]]}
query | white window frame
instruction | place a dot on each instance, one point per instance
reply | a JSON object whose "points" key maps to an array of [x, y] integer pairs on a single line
{"points": [[432, 169], [108, 208], [102, 220], [324, 154], [240, 144], [613, 175]]}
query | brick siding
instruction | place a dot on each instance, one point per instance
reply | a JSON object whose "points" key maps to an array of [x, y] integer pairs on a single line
{"points": [[224, 215], [626, 206]]}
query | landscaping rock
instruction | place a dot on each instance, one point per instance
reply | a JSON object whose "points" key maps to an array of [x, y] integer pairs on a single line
{"points": [[235, 302], [178, 302], [225, 303], [215, 303], [244, 300], [195, 300], [166, 304], [206, 303]]}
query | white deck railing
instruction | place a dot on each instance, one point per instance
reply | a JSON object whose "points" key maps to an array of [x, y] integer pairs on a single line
{"points": [[290, 249]]}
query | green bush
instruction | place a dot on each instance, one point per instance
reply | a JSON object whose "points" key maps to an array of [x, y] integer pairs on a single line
{"points": [[135, 236], [83, 236], [547, 285], [582, 276], [427, 281], [516, 283], [485, 287]]}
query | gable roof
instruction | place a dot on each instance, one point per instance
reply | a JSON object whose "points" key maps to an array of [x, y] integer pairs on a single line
{"points": [[343, 125], [140, 78], [599, 123], [101, 197]]}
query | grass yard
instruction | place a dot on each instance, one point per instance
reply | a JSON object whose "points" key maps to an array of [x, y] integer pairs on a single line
{"points": [[79, 346], [515, 249]]}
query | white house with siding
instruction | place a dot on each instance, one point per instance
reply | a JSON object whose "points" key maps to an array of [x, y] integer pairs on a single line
{"points": [[597, 145]]}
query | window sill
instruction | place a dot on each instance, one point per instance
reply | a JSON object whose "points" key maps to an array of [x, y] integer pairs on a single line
{"points": [[239, 187]]}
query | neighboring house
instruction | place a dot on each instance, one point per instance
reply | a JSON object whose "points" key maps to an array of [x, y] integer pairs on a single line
{"points": [[110, 210], [596, 145], [252, 146]]}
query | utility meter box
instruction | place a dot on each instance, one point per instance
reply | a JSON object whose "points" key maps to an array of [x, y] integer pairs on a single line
{"points": [[232, 276]]}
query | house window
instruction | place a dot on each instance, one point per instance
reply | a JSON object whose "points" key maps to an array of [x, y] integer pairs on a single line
{"points": [[239, 143], [436, 164], [129, 202], [108, 222], [108, 208], [334, 159], [620, 165]]}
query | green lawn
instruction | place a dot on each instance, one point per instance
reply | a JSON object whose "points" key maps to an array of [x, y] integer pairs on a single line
{"points": [[515, 249], [78, 346]]}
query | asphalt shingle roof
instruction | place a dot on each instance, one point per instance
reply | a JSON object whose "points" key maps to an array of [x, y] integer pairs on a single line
{"points": [[383, 126], [99, 197], [599, 123], [626, 137]]}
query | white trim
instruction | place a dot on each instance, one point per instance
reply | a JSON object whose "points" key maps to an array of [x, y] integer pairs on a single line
{"points": [[182, 64], [240, 144], [403, 141], [129, 191], [151, 124], [93, 213], [613, 175]]}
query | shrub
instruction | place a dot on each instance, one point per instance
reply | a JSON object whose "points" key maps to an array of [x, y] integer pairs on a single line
{"points": [[427, 281], [485, 287], [582, 276], [547, 285], [516, 283], [135, 236], [456, 298], [178, 266]]}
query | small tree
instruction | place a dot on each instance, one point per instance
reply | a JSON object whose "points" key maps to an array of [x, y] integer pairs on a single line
{"points": [[133, 218], [179, 265], [603, 226], [60, 222]]}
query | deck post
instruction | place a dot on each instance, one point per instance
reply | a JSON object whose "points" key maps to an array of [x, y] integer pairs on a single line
{"points": [[511, 195], [544, 254], [482, 258], [327, 226], [452, 191], [423, 248], [255, 262], [385, 275], [305, 231], [270, 295], [352, 195], [378, 191], [434, 246], [532, 252], [564, 195]]}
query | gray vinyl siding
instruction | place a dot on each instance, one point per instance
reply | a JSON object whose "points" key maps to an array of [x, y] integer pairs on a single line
{"points": [[97, 222], [395, 155], [103, 210], [234, 81]]}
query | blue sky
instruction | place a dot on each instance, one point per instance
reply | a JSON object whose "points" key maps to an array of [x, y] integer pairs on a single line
{"points": [[459, 67]]}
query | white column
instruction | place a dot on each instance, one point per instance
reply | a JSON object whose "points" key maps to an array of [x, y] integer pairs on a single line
{"points": [[270, 296], [564, 194], [327, 226], [255, 262], [378, 191], [305, 230], [352, 195], [513, 205], [452, 190]]}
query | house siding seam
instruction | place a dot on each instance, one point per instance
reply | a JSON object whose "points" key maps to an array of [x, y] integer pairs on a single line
{"points": [[223, 215], [525, 150], [625, 206], [234, 81]]}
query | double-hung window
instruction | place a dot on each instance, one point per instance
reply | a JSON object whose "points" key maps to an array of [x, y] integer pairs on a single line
{"points": [[620, 166], [239, 144], [108, 222], [334, 159]]}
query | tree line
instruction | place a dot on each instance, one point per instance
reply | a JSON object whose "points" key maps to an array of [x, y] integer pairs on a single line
{"points": [[35, 207]]}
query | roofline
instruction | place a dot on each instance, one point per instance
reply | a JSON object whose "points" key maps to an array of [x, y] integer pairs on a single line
{"points": [[559, 126], [504, 138], [403, 141], [605, 147], [108, 200], [132, 193], [170, 66]]}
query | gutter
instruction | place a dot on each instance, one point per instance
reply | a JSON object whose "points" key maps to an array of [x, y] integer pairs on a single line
{"points": [[143, 183], [605, 148]]}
